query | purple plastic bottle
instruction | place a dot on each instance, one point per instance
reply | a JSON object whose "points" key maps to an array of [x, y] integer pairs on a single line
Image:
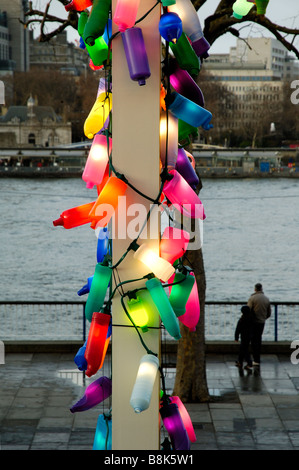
{"points": [[136, 55], [94, 394], [184, 84], [184, 167]]}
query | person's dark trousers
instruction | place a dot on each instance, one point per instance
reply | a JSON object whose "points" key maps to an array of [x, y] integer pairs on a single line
{"points": [[244, 354], [256, 341]]}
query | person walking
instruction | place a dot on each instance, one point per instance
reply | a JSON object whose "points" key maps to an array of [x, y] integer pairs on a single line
{"points": [[261, 309], [244, 331]]}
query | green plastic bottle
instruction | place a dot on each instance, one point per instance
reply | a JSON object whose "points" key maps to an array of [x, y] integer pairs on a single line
{"points": [[185, 55], [99, 51], [180, 292], [97, 21]]}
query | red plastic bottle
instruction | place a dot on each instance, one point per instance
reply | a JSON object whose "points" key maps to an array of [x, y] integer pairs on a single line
{"points": [[95, 346], [74, 217]]}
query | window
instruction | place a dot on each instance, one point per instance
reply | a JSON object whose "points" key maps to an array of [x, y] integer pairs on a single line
{"points": [[31, 139]]}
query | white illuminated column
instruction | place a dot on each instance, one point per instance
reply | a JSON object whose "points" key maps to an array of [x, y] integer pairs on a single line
{"points": [[135, 135]]}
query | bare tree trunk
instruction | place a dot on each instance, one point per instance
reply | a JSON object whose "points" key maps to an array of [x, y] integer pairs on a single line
{"points": [[190, 381]]}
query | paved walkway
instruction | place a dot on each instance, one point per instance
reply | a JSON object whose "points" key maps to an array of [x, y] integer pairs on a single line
{"points": [[250, 411]]}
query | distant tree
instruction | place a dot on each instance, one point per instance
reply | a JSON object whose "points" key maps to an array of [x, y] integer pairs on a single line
{"points": [[190, 382], [68, 95]]}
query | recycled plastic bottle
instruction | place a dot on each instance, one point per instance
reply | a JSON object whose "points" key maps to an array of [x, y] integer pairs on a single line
{"points": [[97, 160], [185, 131], [74, 217], [98, 52], [98, 290], [189, 111], [185, 168], [79, 359], [136, 55], [98, 116], [78, 5], [180, 292], [125, 14], [173, 424], [164, 307], [144, 383], [96, 341], [95, 393], [185, 55], [97, 20], [184, 84], [103, 434]]}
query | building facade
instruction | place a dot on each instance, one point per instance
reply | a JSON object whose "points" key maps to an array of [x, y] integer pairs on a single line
{"points": [[255, 73], [33, 126]]}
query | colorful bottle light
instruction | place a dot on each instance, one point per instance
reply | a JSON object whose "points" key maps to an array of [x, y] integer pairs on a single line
{"points": [[261, 6], [144, 383], [74, 217], [125, 14], [191, 26], [103, 434], [182, 196], [185, 418], [78, 5], [188, 111], [94, 394], [103, 243], [98, 290], [170, 26], [97, 20], [107, 201], [185, 55], [86, 288], [98, 52], [191, 316], [136, 55], [185, 131], [138, 313], [180, 292], [185, 168], [97, 160], [173, 244], [191, 158], [241, 8], [96, 341], [164, 307], [184, 84], [159, 266], [98, 114], [79, 359], [168, 135], [174, 426]]}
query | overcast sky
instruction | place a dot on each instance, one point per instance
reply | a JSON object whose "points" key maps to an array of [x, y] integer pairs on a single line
{"points": [[283, 12]]}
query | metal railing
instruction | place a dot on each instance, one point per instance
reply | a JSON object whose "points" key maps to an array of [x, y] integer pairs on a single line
{"points": [[65, 321]]}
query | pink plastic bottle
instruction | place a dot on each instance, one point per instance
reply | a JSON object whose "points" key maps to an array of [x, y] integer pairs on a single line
{"points": [[185, 417], [97, 160], [182, 196], [192, 313], [174, 243], [125, 13]]}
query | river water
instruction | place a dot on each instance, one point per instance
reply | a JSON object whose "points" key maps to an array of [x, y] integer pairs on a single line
{"points": [[250, 235]]}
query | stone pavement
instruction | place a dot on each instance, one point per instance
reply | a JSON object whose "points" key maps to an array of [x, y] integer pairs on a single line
{"points": [[256, 410]]}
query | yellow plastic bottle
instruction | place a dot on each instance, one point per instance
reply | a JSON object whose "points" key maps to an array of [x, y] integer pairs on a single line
{"points": [[98, 115]]}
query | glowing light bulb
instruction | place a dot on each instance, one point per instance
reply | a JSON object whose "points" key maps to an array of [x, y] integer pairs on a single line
{"points": [[97, 160], [159, 266]]}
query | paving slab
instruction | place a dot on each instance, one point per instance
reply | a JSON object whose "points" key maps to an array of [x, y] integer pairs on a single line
{"points": [[248, 410]]}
